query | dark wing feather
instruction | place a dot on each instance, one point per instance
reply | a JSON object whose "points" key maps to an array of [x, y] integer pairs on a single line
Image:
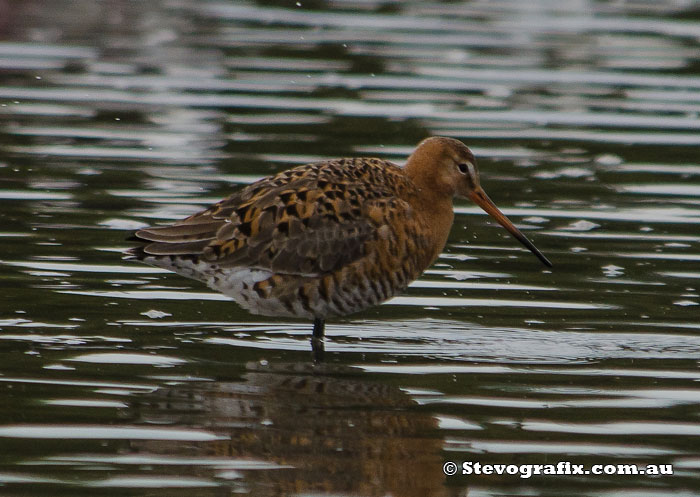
{"points": [[308, 220]]}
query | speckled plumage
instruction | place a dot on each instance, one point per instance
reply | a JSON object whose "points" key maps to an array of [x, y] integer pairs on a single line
{"points": [[325, 239], [319, 240]]}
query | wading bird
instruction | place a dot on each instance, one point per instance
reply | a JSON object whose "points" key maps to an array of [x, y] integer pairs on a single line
{"points": [[326, 239]]}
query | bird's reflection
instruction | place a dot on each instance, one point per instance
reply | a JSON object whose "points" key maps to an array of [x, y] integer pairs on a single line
{"points": [[326, 429]]}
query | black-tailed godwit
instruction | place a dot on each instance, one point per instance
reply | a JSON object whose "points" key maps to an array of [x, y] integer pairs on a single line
{"points": [[326, 239]]}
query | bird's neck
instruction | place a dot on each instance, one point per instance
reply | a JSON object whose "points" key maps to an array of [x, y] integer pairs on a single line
{"points": [[432, 206], [437, 217]]}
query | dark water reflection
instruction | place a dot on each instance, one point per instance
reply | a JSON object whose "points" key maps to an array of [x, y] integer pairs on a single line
{"points": [[305, 433], [118, 379]]}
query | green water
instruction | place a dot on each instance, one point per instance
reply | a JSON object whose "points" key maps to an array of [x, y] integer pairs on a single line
{"points": [[121, 379]]}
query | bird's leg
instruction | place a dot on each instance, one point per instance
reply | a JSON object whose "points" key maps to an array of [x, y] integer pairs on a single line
{"points": [[317, 345]]}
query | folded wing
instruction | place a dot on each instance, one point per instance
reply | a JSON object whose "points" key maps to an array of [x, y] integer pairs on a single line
{"points": [[307, 221]]}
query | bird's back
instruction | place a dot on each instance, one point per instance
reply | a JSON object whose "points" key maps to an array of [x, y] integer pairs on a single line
{"points": [[324, 239]]}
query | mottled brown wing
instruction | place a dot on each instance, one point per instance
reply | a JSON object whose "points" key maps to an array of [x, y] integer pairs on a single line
{"points": [[308, 220]]}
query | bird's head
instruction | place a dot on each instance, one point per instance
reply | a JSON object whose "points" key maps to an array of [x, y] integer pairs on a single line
{"points": [[447, 168]]}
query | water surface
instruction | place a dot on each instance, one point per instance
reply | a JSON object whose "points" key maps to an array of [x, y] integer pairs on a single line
{"points": [[121, 379]]}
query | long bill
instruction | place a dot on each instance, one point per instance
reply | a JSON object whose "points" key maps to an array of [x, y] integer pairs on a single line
{"points": [[479, 197]]}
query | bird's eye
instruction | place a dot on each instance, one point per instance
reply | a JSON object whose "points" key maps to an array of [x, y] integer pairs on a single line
{"points": [[463, 168]]}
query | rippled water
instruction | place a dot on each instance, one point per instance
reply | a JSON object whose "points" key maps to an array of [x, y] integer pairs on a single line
{"points": [[121, 379]]}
